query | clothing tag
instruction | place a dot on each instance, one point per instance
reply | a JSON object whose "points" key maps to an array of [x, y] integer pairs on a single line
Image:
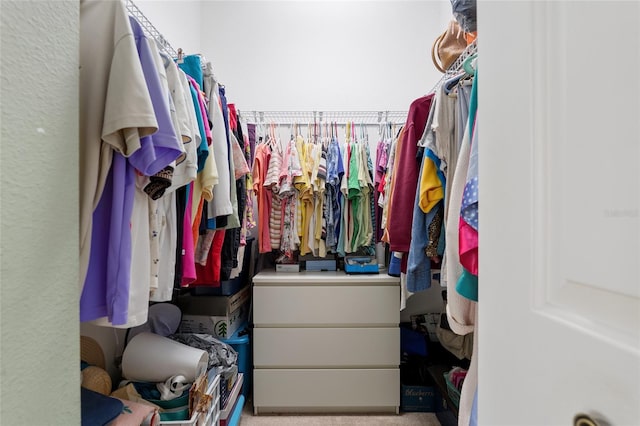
{"points": [[184, 252]]}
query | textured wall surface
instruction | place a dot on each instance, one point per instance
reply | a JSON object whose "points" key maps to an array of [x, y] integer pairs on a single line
{"points": [[39, 374]]}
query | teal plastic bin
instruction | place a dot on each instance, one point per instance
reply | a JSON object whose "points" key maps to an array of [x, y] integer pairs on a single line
{"points": [[245, 363]]}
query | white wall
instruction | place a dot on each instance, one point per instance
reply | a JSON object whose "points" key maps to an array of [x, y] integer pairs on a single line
{"points": [[323, 55], [310, 55], [178, 21], [39, 367]]}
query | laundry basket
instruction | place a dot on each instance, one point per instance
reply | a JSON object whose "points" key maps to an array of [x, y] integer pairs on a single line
{"points": [[454, 393]]}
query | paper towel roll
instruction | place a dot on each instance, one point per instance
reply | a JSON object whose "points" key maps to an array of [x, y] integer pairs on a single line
{"points": [[152, 358]]}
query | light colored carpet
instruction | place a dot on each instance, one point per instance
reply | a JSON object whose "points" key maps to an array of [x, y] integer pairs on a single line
{"points": [[404, 419]]}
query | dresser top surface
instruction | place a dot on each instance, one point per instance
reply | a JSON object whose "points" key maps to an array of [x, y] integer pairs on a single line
{"points": [[271, 277]]}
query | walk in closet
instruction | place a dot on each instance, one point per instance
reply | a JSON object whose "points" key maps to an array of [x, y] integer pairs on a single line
{"points": [[247, 213]]}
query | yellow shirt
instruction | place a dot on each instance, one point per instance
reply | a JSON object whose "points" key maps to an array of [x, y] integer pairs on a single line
{"points": [[431, 190], [305, 194]]}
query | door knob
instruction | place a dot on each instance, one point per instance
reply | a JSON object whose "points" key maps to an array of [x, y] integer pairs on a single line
{"points": [[583, 419]]}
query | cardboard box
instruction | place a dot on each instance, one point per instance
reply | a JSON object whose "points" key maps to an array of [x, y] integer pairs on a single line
{"points": [[214, 305], [220, 316], [219, 326], [421, 399]]}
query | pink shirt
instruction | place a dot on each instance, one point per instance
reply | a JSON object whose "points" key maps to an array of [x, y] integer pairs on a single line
{"points": [[188, 256]]}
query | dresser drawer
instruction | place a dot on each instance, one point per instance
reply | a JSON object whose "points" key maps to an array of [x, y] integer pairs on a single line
{"points": [[326, 347], [270, 277], [309, 390], [326, 306]]}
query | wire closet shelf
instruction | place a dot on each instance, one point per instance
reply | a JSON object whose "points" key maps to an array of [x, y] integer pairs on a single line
{"points": [[150, 29], [470, 50], [339, 117]]}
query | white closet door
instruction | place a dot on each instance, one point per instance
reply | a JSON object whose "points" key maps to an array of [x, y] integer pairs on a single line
{"points": [[559, 103]]}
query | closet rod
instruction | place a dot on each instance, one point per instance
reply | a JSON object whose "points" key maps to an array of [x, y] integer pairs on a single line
{"points": [[149, 29], [455, 68], [340, 117]]}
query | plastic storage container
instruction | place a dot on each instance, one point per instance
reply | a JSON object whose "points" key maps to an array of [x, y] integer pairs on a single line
{"points": [[453, 392], [212, 417], [235, 399], [234, 420], [241, 345]]}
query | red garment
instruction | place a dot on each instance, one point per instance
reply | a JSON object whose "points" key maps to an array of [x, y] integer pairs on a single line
{"points": [[233, 116], [403, 194], [260, 166], [209, 275]]}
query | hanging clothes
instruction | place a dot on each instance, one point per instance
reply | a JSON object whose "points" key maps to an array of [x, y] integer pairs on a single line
{"points": [[231, 243], [221, 200], [115, 111], [333, 195], [403, 194], [305, 197], [291, 168], [389, 183], [467, 284], [109, 298], [260, 166], [272, 183]]}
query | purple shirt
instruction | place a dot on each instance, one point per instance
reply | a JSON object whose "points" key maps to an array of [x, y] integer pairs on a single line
{"points": [[106, 287], [160, 149]]}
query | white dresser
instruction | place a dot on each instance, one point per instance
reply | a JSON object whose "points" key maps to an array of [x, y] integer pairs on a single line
{"points": [[326, 342]]}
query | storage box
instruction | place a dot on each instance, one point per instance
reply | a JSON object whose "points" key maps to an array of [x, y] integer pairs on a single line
{"points": [[287, 267], [412, 342], [234, 420], [427, 324], [193, 421], [227, 410], [320, 265], [454, 393], [213, 390], [219, 326], [420, 398], [220, 316], [241, 345], [361, 265], [214, 305], [227, 288]]}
